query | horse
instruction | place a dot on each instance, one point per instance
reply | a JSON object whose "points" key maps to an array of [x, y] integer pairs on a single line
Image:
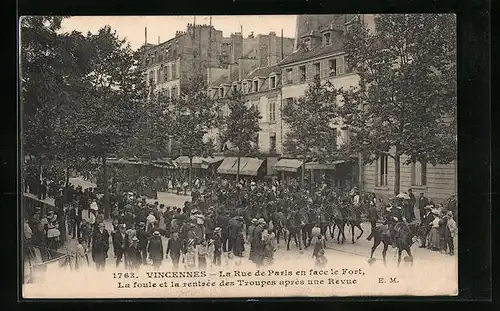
{"points": [[338, 220], [403, 240], [354, 220], [293, 227]]}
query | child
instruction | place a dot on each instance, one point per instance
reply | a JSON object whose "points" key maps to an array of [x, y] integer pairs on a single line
{"points": [[239, 245], [81, 254], [319, 252], [202, 255], [190, 255]]}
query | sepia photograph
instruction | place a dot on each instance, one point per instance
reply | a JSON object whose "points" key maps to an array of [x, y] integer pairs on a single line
{"points": [[238, 156]]}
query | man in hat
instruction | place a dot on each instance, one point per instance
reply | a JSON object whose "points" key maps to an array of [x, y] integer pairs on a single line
{"points": [[155, 250], [422, 203], [134, 254], [223, 223], [174, 247], [142, 235], [426, 218], [100, 246], [411, 203], [120, 244], [258, 254], [235, 227], [217, 246]]}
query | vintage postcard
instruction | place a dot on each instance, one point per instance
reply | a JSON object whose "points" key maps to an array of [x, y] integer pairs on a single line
{"points": [[239, 156]]}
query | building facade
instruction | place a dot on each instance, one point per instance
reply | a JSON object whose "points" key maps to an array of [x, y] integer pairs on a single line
{"points": [[319, 51]]}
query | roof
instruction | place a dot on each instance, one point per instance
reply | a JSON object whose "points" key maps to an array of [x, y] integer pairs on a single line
{"points": [[301, 54], [263, 72], [218, 82]]}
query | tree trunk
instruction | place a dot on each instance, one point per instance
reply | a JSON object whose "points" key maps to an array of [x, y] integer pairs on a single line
{"points": [[105, 186], [190, 173], [67, 177], [397, 173], [238, 170], [303, 172]]}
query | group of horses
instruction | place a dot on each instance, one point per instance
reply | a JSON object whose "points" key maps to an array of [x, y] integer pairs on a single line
{"points": [[298, 225]]}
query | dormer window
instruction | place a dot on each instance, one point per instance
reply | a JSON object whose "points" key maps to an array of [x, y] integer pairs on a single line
{"points": [[327, 38], [307, 43], [256, 85], [272, 82], [235, 88], [221, 92]]}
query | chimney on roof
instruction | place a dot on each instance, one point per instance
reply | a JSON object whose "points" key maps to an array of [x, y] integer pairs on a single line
{"points": [[145, 35]]}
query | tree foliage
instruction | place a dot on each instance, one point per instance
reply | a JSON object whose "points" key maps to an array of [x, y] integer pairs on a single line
{"points": [[312, 120], [241, 124], [189, 118], [405, 103]]}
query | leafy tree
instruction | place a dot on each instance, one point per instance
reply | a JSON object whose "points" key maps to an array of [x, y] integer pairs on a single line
{"points": [[189, 118], [312, 119], [109, 99], [42, 84], [241, 126], [405, 103]]}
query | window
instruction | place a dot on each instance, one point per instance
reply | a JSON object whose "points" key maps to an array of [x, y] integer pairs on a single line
{"points": [[302, 73], [317, 70], [256, 85], [167, 72], [382, 164], [174, 92], [340, 65], [272, 111], [221, 92], [151, 77], [288, 101], [174, 71], [289, 76], [419, 173], [272, 83], [332, 67], [160, 74], [272, 142], [327, 38], [235, 88]]}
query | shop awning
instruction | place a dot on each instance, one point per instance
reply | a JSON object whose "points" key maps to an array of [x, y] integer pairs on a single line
{"points": [[248, 166], [198, 162], [323, 166], [251, 167], [212, 160], [123, 161], [287, 165], [227, 165]]}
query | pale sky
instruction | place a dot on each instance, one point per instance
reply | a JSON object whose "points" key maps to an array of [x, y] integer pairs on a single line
{"points": [[132, 27]]}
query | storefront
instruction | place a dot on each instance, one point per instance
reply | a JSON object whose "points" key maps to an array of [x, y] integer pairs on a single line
{"points": [[288, 169]]}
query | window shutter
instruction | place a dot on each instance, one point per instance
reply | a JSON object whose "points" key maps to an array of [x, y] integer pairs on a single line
{"points": [[340, 65], [178, 65], [295, 75], [283, 74], [309, 72]]}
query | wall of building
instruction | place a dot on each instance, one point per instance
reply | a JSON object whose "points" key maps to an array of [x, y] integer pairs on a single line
{"points": [[441, 181]]}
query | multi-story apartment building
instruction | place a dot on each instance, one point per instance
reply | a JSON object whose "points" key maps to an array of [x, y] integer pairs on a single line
{"points": [[320, 52]]}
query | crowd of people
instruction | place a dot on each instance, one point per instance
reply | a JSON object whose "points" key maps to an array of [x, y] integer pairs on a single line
{"points": [[223, 219]]}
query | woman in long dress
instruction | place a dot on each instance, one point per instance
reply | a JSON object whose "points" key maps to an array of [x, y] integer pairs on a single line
{"points": [[434, 237]]}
